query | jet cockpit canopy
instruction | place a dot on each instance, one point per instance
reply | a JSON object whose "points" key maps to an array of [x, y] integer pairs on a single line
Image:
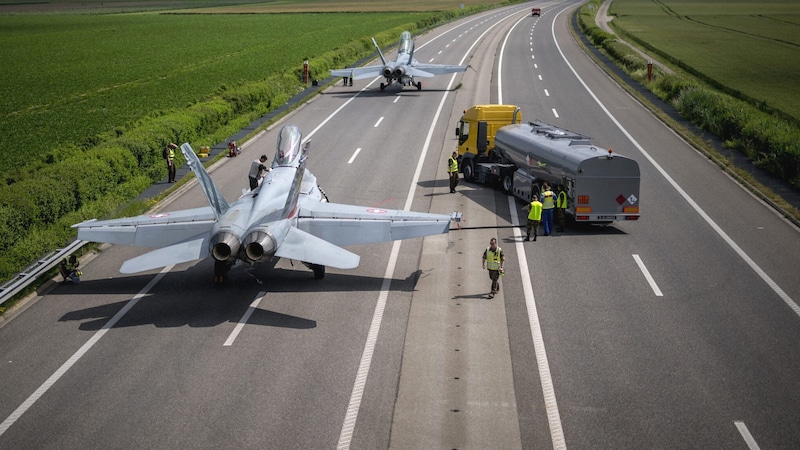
{"points": [[289, 139], [405, 43]]}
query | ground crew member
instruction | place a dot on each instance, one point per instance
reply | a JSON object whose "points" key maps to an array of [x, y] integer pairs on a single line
{"points": [[69, 269], [258, 169], [548, 204], [561, 206], [169, 156], [452, 171], [534, 217], [493, 260]]}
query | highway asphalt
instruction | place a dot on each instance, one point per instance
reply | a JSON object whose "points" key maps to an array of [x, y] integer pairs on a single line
{"points": [[675, 331]]}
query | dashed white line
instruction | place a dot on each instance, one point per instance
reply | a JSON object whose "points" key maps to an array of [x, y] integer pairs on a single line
{"points": [[748, 438], [647, 276], [555, 113], [546, 93], [353, 158], [244, 319], [378, 122]]}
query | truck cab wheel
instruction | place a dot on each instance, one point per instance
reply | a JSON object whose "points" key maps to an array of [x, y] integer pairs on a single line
{"points": [[469, 171]]}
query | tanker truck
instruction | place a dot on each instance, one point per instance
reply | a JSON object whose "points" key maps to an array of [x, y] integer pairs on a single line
{"points": [[495, 147]]}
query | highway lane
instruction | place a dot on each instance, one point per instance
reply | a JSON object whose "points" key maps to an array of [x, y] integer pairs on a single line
{"points": [[162, 376], [715, 353], [629, 368]]}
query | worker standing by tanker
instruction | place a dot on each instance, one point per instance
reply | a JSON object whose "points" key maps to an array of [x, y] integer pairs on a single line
{"points": [[452, 171], [534, 217], [493, 260], [548, 204], [561, 206], [169, 156]]}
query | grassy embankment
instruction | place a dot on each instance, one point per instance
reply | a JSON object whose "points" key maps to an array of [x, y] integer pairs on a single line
{"points": [[737, 70], [88, 100]]}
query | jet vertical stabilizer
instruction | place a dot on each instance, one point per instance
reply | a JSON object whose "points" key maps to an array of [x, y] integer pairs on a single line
{"points": [[213, 194]]}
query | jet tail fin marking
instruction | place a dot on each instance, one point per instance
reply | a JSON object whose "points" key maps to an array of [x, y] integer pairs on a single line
{"points": [[380, 53], [214, 196]]}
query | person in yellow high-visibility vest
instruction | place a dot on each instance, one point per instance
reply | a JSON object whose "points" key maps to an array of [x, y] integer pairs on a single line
{"points": [[493, 260], [169, 156], [548, 204], [561, 207], [452, 171], [534, 217]]}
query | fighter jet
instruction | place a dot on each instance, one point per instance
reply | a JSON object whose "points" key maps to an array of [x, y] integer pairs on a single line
{"points": [[286, 216], [403, 69]]}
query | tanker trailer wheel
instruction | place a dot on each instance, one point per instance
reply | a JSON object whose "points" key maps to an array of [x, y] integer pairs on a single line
{"points": [[469, 171], [507, 181]]}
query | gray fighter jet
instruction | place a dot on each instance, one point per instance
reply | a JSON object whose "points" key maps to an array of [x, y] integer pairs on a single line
{"points": [[286, 216], [403, 69]]}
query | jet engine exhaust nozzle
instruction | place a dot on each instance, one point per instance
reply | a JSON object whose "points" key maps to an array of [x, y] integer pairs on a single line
{"points": [[224, 246], [259, 246], [387, 71], [399, 72]]}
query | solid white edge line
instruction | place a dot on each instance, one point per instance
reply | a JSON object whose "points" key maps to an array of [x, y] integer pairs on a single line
{"points": [[550, 403], [647, 276], [746, 258], [244, 319], [81, 351], [748, 438]]}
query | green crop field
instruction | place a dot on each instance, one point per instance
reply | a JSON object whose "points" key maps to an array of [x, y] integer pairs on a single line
{"points": [[746, 45], [69, 77]]}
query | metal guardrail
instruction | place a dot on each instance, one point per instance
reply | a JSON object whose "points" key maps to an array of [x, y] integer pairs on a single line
{"points": [[23, 279]]}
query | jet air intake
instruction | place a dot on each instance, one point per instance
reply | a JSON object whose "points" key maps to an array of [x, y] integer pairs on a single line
{"points": [[259, 245], [224, 246]]}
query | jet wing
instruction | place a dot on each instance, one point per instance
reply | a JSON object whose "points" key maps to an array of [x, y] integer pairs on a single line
{"points": [[358, 73], [154, 230], [349, 225], [302, 246], [429, 70]]}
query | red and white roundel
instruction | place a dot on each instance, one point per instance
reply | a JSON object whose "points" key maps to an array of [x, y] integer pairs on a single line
{"points": [[377, 211], [158, 216]]}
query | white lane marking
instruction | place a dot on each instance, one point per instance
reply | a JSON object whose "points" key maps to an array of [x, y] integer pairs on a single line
{"points": [[540, 77], [555, 113], [81, 351], [352, 158], [748, 438], [349, 424], [396, 98], [550, 403], [547, 93], [244, 319], [378, 122], [745, 257], [647, 276]]}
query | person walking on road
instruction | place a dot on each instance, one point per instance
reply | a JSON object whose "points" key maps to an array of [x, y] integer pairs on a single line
{"points": [[169, 156], [548, 204], [561, 207], [493, 260], [534, 217], [452, 171]]}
